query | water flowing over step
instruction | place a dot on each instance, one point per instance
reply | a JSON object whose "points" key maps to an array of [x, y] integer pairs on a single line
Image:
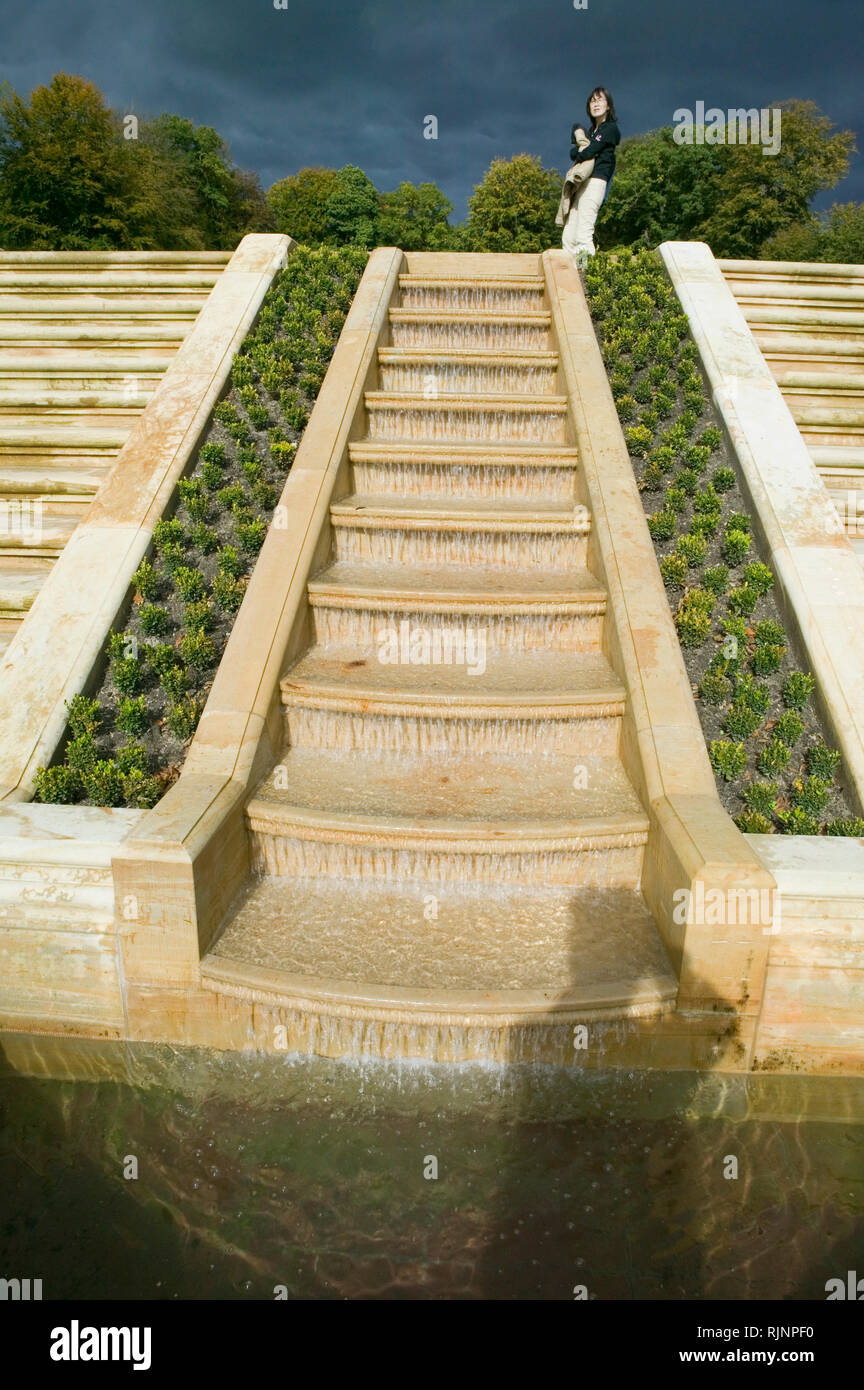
{"points": [[808, 319], [450, 829], [85, 338], [482, 949]]}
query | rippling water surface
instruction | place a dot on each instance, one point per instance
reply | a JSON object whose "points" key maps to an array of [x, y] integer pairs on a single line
{"points": [[256, 1173]]}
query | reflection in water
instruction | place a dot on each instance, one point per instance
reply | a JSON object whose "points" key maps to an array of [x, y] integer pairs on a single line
{"points": [[255, 1172]]}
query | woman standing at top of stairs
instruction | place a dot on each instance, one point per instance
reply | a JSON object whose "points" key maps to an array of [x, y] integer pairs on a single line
{"points": [[588, 198]]}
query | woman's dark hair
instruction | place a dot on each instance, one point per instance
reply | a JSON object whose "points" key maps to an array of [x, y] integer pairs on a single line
{"points": [[601, 92]]}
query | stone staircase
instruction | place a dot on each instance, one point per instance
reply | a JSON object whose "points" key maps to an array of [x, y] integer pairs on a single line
{"points": [[85, 338], [808, 320], [450, 827]]}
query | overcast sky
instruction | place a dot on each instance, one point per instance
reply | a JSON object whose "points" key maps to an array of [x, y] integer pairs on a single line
{"points": [[338, 82]]}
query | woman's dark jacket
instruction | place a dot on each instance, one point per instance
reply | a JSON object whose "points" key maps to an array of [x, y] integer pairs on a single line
{"points": [[600, 148]]}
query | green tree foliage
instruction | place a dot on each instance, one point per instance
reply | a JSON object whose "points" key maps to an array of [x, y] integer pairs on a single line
{"points": [[661, 191], [732, 196], [762, 194], [415, 218], [64, 173], [352, 209], [298, 204], [836, 236], [70, 179], [514, 208]]}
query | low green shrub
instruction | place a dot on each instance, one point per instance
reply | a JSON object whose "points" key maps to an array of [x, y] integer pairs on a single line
{"points": [[674, 571], [132, 716], [823, 761], [797, 689], [716, 579], [728, 759], [789, 728], [762, 797], [154, 620], [736, 544], [774, 758], [182, 717]]}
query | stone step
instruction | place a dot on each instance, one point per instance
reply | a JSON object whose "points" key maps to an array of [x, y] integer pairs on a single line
{"points": [[408, 697], [89, 363], [840, 466], [381, 530], [780, 290], [526, 952], [509, 294], [36, 382], [432, 372], [836, 383], [788, 316], [74, 307], [353, 602], [792, 270], [48, 401], [482, 417], [831, 417], [119, 260], [26, 529], [833, 354], [494, 332], [543, 474], [154, 280], [20, 582], [109, 336], [386, 815], [45, 480], [60, 435]]}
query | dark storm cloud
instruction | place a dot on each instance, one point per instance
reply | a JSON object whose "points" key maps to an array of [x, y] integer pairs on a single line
{"points": [[339, 82]]}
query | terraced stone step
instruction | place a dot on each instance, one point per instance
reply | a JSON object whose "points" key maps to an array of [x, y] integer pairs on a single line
{"points": [[830, 383], [493, 332], [791, 351], [26, 529], [92, 400], [455, 699], [60, 435], [841, 466], [72, 307], [787, 315], [534, 953], [541, 473], [478, 370], [19, 585], [353, 601], [33, 379], [455, 417], [510, 294], [386, 814], [380, 530], [63, 261], [112, 335], [155, 280]]}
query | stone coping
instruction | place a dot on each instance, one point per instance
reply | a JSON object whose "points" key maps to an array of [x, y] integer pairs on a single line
{"points": [[813, 866], [691, 836], [56, 651], [31, 832], [819, 577]]}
